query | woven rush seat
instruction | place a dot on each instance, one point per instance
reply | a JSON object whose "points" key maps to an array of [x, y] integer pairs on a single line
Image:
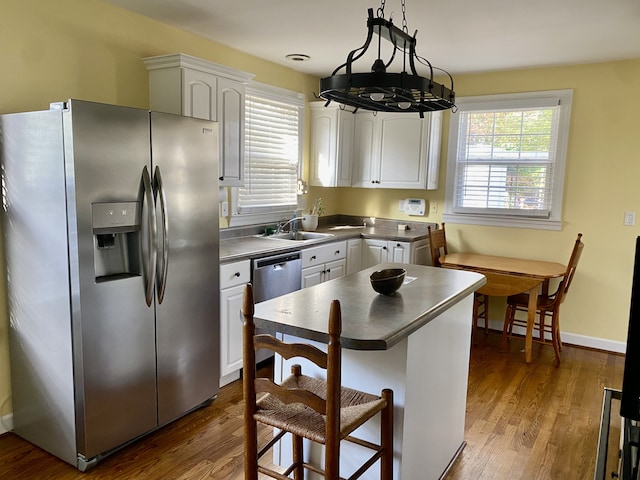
{"points": [[299, 419]]}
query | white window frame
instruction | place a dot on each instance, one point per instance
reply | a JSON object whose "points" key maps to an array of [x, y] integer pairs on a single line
{"points": [[266, 215], [562, 98]]}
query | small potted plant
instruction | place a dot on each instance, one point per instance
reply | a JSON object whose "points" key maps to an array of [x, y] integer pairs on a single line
{"points": [[310, 220]]}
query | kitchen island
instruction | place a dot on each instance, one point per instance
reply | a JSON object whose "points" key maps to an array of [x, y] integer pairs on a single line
{"points": [[415, 342]]}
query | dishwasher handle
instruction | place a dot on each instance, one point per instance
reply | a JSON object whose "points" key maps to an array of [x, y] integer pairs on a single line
{"points": [[278, 260]]}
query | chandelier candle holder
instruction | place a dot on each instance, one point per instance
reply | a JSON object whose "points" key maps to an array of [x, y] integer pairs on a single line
{"points": [[380, 90]]}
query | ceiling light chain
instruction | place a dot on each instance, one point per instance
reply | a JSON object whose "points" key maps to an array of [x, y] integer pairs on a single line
{"points": [[381, 9], [405, 29], [384, 91]]}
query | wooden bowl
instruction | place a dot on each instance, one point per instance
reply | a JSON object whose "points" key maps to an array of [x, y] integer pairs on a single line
{"points": [[387, 281]]}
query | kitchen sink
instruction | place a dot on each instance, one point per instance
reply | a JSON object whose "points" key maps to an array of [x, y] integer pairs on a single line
{"points": [[298, 236]]}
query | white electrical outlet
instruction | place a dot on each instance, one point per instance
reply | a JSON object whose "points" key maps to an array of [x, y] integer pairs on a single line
{"points": [[629, 219], [224, 209]]}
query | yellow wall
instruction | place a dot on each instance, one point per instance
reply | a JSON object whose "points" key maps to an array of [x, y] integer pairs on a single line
{"points": [[54, 50], [85, 49]]}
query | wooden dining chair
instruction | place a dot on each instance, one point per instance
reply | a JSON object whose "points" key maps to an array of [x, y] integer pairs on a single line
{"points": [[322, 411], [438, 247], [547, 310]]}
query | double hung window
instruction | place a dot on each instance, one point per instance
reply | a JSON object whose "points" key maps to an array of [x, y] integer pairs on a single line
{"points": [[273, 152], [507, 159]]}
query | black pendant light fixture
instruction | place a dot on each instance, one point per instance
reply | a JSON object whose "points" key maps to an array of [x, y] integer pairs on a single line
{"points": [[381, 90]]}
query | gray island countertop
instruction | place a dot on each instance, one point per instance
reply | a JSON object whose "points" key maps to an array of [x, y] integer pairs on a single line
{"points": [[370, 321]]}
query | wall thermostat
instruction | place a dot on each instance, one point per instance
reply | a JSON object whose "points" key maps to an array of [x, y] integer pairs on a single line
{"points": [[414, 206]]}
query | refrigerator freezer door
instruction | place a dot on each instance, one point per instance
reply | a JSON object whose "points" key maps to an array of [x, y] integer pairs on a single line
{"points": [[187, 319], [38, 285], [113, 328]]}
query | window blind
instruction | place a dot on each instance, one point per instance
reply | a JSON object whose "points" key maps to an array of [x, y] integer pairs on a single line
{"points": [[271, 155], [505, 161]]}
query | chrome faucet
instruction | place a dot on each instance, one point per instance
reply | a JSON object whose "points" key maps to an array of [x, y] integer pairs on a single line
{"points": [[292, 228], [291, 221]]}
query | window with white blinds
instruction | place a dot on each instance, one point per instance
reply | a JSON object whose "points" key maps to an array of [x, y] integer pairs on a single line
{"points": [[506, 158], [272, 151]]}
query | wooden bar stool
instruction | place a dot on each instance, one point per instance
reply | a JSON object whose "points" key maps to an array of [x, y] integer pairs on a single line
{"points": [[321, 411]]}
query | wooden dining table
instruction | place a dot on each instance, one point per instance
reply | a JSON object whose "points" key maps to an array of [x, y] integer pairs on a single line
{"points": [[510, 276]]}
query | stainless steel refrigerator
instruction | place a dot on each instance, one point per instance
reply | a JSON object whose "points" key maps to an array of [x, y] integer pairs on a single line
{"points": [[111, 243]]}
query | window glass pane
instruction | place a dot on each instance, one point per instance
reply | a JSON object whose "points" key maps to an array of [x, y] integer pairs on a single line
{"points": [[271, 156], [505, 161]]}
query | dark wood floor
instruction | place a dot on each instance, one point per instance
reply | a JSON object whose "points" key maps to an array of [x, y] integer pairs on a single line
{"points": [[523, 422]]}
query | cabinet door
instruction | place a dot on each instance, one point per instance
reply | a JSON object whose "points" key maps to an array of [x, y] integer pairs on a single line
{"points": [[199, 95], [365, 152], [421, 253], [433, 155], [354, 256], [396, 150], [231, 98], [331, 145], [398, 252], [346, 127], [312, 276], [324, 128], [403, 149], [335, 269], [374, 252], [231, 329]]}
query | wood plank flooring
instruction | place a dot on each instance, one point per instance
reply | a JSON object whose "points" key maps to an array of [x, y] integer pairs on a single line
{"points": [[523, 422], [534, 421]]}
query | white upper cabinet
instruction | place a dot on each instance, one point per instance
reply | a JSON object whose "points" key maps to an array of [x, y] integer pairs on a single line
{"points": [[396, 150], [231, 95], [193, 87], [331, 145]]}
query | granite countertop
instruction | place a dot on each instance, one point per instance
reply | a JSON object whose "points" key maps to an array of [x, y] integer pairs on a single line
{"points": [[369, 321], [252, 246]]}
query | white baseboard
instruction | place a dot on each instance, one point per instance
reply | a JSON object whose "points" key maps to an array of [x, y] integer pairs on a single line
{"points": [[6, 423], [574, 339], [233, 376]]}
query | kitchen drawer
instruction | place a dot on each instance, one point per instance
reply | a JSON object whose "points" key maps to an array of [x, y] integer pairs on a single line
{"points": [[232, 274], [323, 254]]}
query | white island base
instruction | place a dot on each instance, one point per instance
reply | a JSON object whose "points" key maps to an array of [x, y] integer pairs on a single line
{"points": [[428, 372]]}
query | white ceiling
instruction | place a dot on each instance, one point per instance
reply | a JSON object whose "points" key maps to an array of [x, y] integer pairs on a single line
{"points": [[459, 36]]}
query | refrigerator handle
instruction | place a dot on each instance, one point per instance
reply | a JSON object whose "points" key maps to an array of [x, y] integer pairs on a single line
{"points": [[163, 265], [153, 233]]}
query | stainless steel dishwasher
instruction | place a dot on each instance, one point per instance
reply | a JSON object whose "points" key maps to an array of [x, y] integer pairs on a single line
{"points": [[276, 275], [272, 277]]}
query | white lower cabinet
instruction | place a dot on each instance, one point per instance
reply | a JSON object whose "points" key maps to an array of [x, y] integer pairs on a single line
{"points": [[391, 251], [323, 263], [354, 255], [233, 277], [319, 264]]}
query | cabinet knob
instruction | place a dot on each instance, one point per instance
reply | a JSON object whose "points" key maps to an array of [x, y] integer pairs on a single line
{"points": [[337, 252], [384, 248], [313, 257], [221, 178], [237, 274], [328, 270]]}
